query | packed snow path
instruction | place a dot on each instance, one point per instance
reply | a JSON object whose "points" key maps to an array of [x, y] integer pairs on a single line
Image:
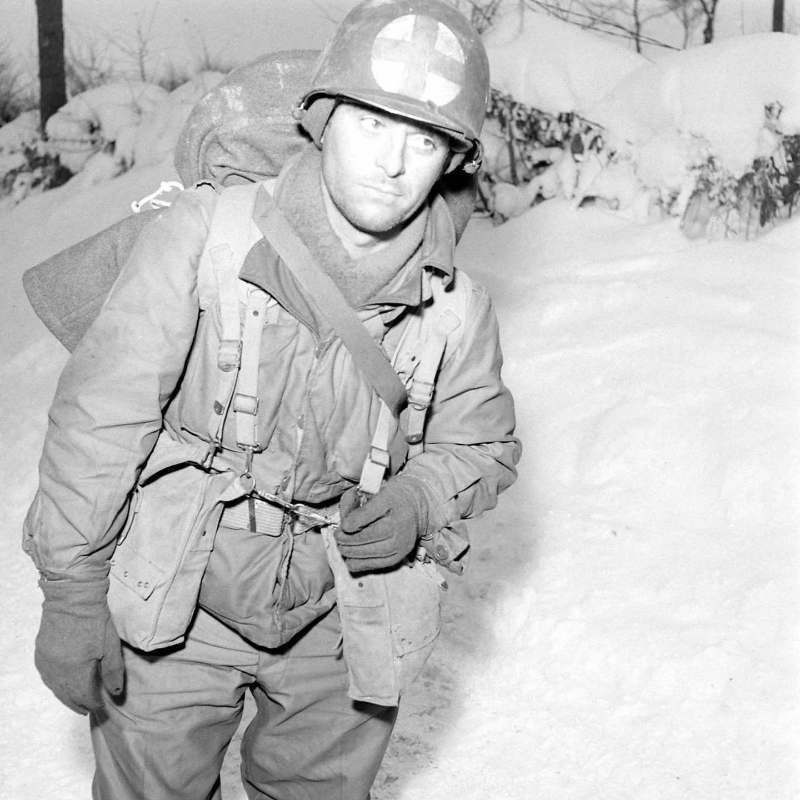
{"points": [[627, 628]]}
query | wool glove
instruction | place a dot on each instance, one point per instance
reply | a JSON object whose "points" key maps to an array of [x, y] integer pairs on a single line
{"points": [[379, 531], [77, 647]]}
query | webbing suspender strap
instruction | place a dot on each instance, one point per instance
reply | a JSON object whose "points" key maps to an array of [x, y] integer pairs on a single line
{"points": [[369, 357], [240, 337], [421, 394], [245, 401], [377, 461], [230, 345], [445, 320], [231, 234], [433, 339]]}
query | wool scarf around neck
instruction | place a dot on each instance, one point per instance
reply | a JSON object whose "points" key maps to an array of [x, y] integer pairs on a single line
{"points": [[300, 199]]}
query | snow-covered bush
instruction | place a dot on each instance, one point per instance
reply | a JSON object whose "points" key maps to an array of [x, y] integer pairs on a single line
{"points": [[725, 205], [106, 130], [102, 119], [97, 135], [26, 165], [686, 136]]}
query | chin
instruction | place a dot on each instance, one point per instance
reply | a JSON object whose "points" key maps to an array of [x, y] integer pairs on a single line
{"points": [[377, 223]]}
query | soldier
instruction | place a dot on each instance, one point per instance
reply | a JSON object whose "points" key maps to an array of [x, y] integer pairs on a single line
{"points": [[234, 494]]}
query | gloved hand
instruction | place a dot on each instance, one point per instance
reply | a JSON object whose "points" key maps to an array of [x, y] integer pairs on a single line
{"points": [[77, 646], [379, 531]]}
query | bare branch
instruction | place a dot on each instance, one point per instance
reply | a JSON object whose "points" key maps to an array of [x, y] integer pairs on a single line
{"points": [[603, 18]]}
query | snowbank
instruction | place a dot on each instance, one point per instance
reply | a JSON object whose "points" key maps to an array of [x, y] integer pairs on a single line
{"points": [[551, 65], [640, 598], [717, 92]]}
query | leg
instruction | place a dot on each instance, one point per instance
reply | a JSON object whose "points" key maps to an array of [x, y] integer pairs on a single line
{"points": [[166, 740], [309, 741]]}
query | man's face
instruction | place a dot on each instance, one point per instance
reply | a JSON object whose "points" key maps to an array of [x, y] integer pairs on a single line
{"points": [[378, 169]]}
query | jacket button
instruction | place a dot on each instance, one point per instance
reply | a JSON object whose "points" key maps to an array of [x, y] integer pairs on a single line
{"points": [[440, 553]]}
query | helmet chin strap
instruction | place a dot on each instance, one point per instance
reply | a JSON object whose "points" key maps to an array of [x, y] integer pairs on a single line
{"points": [[474, 159]]}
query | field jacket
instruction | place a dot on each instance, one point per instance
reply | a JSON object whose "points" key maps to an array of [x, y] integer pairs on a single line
{"points": [[144, 370]]}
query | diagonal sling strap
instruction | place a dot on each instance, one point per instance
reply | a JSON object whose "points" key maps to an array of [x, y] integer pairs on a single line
{"points": [[369, 357]]}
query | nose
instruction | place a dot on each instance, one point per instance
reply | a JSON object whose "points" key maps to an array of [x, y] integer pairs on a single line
{"points": [[391, 153]]}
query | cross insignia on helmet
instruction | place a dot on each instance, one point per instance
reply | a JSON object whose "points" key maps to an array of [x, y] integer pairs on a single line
{"points": [[419, 57]]}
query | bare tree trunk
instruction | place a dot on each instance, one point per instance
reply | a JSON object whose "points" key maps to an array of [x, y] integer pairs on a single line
{"points": [[710, 11], [52, 80], [777, 15]]}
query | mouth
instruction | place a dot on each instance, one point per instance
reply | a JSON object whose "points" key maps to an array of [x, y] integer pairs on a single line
{"points": [[386, 191]]}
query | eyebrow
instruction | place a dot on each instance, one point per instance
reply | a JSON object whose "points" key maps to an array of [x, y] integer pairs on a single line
{"points": [[438, 136]]}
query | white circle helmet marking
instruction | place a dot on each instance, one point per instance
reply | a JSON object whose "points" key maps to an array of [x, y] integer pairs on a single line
{"points": [[420, 57]]}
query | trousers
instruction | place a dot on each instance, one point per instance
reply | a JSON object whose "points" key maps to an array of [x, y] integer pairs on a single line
{"points": [[166, 739]]}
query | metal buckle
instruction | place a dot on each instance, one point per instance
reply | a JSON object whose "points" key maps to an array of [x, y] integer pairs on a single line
{"points": [[379, 456], [229, 354], [245, 404]]}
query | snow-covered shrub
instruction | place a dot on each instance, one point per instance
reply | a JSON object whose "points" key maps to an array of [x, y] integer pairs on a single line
{"points": [[532, 155], [726, 205], [35, 170], [26, 165], [102, 119]]}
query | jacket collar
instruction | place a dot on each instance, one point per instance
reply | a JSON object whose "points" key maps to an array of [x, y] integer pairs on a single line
{"points": [[410, 286]]}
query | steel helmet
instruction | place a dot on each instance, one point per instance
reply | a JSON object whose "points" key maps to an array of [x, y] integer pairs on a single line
{"points": [[418, 59]]}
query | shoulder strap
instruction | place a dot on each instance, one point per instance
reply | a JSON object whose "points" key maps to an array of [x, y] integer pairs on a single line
{"points": [[231, 235], [441, 320], [427, 335], [369, 357]]}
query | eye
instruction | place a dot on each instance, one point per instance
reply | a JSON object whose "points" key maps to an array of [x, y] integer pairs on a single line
{"points": [[423, 143], [371, 123]]}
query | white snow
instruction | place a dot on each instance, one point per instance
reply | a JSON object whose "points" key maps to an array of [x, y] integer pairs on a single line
{"points": [[551, 65], [715, 91], [628, 627]]}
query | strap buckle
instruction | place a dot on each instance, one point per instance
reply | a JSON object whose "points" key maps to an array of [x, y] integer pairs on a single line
{"points": [[421, 394], [379, 456], [245, 404], [229, 354]]}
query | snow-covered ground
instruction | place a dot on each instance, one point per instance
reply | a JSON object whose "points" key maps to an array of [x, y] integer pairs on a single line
{"points": [[629, 625]]}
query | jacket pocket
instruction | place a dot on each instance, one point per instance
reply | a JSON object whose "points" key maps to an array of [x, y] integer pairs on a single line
{"points": [[390, 623], [157, 568]]}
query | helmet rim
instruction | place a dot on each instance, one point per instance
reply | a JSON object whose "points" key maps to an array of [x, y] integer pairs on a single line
{"points": [[399, 106]]}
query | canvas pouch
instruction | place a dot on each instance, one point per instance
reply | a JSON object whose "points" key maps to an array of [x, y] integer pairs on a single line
{"points": [[165, 545], [390, 623]]}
